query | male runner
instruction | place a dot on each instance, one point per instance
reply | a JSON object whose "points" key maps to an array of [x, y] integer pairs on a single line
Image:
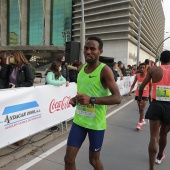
{"points": [[145, 96], [158, 112], [94, 83]]}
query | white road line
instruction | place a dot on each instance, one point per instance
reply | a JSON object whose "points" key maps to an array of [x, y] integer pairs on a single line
{"points": [[60, 145], [42, 156], [121, 107]]}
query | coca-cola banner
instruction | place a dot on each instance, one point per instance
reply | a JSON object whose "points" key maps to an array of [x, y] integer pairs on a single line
{"points": [[27, 111]]}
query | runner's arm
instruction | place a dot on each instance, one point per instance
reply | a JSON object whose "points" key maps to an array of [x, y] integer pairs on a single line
{"points": [[133, 85], [144, 83], [108, 81]]}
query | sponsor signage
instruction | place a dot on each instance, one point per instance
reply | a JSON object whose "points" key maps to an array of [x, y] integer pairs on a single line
{"points": [[27, 111]]}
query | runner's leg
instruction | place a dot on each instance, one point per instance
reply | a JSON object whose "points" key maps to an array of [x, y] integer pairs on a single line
{"points": [[96, 140], [142, 110], [71, 153], [163, 139], [76, 137], [153, 144], [94, 158]]}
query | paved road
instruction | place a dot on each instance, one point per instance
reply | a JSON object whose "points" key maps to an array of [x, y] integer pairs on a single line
{"points": [[124, 148]]}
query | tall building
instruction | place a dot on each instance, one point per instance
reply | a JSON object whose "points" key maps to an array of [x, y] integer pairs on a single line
{"points": [[116, 22], [42, 27], [35, 26]]}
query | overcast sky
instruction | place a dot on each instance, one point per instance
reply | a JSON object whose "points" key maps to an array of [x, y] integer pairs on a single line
{"points": [[166, 6]]}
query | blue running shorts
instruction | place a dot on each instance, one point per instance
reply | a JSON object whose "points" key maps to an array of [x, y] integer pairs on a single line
{"points": [[78, 134]]}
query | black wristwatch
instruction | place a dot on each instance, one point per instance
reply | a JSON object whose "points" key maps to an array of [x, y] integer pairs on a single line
{"points": [[92, 100]]}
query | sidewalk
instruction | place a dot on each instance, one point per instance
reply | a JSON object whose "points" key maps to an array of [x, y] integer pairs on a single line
{"points": [[13, 152]]}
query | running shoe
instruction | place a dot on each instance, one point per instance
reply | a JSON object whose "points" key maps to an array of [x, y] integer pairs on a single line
{"points": [[158, 160], [139, 125], [143, 122]]}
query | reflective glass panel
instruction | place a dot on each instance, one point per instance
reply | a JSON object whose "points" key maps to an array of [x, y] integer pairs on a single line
{"points": [[61, 21], [35, 31], [13, 23]]}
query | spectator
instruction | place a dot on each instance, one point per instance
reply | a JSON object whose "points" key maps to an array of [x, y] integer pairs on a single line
{"points": [[147, 63], [123, 69], [3, 73], [119, 71], [129, 70], [19, 71], [19, 74], [54, 77], [64, 69], [134, 70], [114, 70], [73, 71]]}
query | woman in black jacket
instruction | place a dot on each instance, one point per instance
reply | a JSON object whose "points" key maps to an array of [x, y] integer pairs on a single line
{"points": [[3, 73], [19, 71]]}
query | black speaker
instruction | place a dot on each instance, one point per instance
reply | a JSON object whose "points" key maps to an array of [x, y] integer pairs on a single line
{"points": [[72, 51], [107, 60]]}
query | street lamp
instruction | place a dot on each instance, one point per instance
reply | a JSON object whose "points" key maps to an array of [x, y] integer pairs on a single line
{"points": [[139, 30], [158, 49], [82, 34]]}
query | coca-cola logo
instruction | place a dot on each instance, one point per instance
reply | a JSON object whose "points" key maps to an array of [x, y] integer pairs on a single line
{"points": [[59, 105]]}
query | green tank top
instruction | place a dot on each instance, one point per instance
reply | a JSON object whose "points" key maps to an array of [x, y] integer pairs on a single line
{"points": [[89, 116]]}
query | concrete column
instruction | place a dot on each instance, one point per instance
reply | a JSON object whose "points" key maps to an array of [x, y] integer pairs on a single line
{"points": [[3, 22], [47, 20], [23, 8]]}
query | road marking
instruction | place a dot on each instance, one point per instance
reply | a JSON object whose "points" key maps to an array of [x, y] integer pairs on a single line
{"points": [[121, 107], [60, 145], [42, 156]]}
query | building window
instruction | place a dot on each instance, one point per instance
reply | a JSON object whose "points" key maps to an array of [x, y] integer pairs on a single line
{"points": [[13, 23], [61, 21], [35, 18]]}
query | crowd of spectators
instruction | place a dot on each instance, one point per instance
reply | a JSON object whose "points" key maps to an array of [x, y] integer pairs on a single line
{"points": [[119, 69]]}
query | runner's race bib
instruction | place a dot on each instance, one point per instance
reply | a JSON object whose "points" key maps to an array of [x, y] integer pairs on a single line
{"points": [[86, 110], [163, 93], [139, 84]]}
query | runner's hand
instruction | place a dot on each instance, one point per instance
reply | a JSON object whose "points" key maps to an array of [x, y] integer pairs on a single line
{"points": [[73, 101], [67, 83], [83, 99]]}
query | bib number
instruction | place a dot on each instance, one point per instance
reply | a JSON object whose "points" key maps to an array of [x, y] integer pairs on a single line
{"points": [[86, 110], [163, 93]]}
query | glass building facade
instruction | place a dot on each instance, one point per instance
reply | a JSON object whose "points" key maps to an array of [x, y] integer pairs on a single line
{"points": [[13, 23], [61, 21], [35, 22]]}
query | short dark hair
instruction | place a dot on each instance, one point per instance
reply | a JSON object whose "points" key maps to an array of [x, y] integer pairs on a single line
{"points": [[114, 63], [165, 56], [147, 61], [142, 64], [130, 67], [98, 40]]}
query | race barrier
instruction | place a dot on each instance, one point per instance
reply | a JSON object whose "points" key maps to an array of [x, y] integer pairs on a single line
{"points": [[125, 84], [27, 111]]}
